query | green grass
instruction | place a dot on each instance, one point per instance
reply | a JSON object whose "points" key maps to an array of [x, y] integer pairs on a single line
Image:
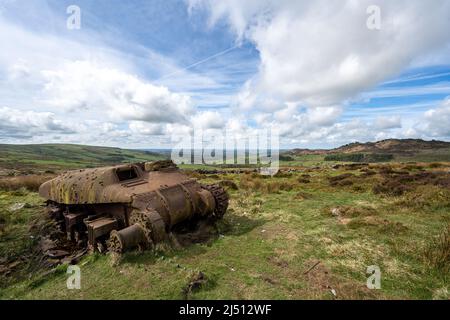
{"points": [[68, 156], [432, 155], [439, 155], [268, 241], [307, 160], [15, 236]]}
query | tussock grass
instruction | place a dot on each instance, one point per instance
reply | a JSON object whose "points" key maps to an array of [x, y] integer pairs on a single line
{"points": [[274, 231], [228, 184], [342, 180], [353, 212], [437, 253], [29, 182], [437, 165], [426, 198], [390, 188], [397, 183], [266, 185]]}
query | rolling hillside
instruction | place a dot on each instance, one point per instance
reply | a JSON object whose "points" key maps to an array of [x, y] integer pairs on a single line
{"points": [[397, 146], [403, 150], [68, 155], [61, 156]]}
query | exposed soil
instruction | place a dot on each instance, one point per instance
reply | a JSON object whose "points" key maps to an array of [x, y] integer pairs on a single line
{"points": [[196, 281], [397, 183], [202, 231], [321, 282]]}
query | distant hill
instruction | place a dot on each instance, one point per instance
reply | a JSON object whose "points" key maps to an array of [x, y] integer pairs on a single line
{"points": [[69, 155], [385, 150], [396, 146], [61, 156], [384, 146], [299, 152]]}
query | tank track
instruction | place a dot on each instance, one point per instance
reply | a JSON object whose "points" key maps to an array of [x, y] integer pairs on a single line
{"points": [[221, 197], [148, 229]]}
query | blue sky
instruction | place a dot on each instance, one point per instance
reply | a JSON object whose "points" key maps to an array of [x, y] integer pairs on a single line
{"points": [[138, 73], [412, 92]]}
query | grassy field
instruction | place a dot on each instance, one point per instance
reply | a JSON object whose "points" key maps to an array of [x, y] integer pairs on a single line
{"points": [[50, 156], [432, 155], [306, 234]]}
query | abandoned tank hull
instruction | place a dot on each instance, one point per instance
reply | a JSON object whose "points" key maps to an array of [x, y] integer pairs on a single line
{"points": [[128, 206]]}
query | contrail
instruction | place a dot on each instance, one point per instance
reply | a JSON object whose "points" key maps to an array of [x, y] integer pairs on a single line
{"points": [[198, 62]]}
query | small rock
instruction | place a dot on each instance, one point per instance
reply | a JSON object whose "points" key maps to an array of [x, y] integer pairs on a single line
{"points": [[75, 258], [335, 212], [197, 281], [3, 269], [16, 206], [53, 262], [13, 264], [57, 254], [46, 244]]}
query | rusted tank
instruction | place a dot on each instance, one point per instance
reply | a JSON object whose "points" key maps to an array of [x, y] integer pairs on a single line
{"points": [[130, 205]]}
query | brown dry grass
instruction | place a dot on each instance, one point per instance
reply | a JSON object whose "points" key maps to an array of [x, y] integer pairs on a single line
{"points": [[437, 254], [228, 184], [342, 180], [257, 183], [322, 283], [398, 183], [426, 198], [30, 182], [353, 212], [390, 188]]}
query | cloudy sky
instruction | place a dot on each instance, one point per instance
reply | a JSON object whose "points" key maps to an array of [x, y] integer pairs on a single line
{"points": [[137, 73]]}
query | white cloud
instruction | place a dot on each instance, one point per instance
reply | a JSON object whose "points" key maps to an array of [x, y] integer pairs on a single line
{"points": [[324, 116], [315, 57], [93, 88], [437, 121], [297, 122], [393, 122], [321, 52], [209, 120], [83, 85], [145, 128], [18, 123], [19, 70]]}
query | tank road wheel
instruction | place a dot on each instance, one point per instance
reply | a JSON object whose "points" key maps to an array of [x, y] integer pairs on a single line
{"points": [[221, 198], [126, 239], [146, 229], [153, 224]]}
